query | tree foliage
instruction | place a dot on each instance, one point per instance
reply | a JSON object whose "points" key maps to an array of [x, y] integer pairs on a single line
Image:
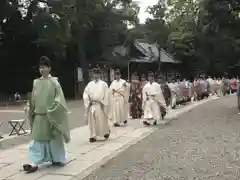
{"points": [[203, 34], [68, 31]]}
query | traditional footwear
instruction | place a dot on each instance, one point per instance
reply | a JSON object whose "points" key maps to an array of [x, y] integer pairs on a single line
{"points": [[32, 169], [106, 136], [146, 123], [26, 167], [155, 123], [57, 164], [29, 168], [116, 125], [163, 113], [92, 140], [125, 122], [162, 116]]}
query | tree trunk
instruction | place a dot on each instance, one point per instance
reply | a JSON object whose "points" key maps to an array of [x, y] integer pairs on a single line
{"points": [[82, 60], [81, 32]]}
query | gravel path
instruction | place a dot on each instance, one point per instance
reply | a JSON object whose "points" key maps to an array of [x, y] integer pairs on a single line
{"points": [[203, 144]]}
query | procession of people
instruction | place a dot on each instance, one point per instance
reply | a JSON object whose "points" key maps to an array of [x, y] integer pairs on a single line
{"points": [[148, 99]]}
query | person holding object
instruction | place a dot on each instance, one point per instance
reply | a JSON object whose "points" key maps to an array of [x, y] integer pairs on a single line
{"points": [[95, 97], [119, 97], [48, 118], [154, 105]]}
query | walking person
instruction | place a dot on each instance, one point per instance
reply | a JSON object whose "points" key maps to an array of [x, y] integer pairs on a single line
{"points": [[95, 97], [135, 98], [119, 99], [48, 120], [153, 102]]}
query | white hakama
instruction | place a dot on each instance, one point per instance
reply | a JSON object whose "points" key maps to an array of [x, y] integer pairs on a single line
{"points": [[95, 98]]}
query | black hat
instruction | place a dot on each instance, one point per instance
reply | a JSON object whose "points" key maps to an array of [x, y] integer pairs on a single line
{"points": [[150, 73], [134, 74], [96, 70], [45, 61], [117, 72]]}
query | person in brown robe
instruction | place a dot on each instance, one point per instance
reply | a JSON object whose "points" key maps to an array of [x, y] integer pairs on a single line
{"points": [[135, 98], [143, 80], [165, 90]]}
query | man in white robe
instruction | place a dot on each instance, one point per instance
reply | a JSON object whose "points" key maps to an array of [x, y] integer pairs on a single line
{"points": [[127, 94], [119, 100], [173, 101], [211, 84], [95, 98], [153, 101]]}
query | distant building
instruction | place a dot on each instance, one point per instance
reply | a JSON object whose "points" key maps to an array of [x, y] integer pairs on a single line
{"points": [[139, 56], [145, 57]]}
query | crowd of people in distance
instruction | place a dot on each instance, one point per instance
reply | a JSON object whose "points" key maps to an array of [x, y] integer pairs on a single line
{"points": [[178, 92]]}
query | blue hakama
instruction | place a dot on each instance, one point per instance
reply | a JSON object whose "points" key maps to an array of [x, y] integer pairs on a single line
{"points": [[47, 151]]}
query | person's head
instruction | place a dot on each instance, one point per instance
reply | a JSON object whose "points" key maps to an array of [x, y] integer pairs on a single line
{"points": [[134, 76], [159, 79], [143, 77], [117, 74], [150, 76], [96, 74], [44, 66]]}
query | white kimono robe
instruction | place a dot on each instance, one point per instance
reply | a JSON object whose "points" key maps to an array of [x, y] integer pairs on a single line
{"points": [[95, 98], [119, 100], [127, 94], [211, 83], [152, 99], [173, 95]]}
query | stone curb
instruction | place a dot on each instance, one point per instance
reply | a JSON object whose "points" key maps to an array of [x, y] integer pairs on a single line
{"points": [[97, 165]]}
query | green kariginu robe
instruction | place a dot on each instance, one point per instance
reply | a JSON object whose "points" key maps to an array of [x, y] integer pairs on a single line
{"points": [[48, 113]]}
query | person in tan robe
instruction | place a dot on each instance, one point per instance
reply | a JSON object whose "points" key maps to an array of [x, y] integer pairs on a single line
{"points": [[119, 100], [127, 95], [153, 101], [95, 98]]}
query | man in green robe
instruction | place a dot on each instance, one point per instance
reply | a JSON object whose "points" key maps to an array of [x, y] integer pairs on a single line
{"points": [[48, 120]]}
